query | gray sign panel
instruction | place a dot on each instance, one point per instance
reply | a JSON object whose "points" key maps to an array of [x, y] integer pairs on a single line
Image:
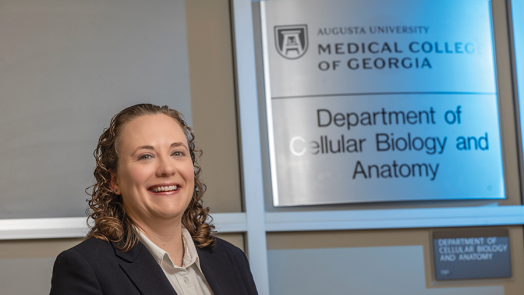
{"points": [[471, 254], [381, 101]]}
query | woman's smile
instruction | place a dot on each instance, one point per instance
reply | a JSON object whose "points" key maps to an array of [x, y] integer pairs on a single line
{"points": [[164, 188]]}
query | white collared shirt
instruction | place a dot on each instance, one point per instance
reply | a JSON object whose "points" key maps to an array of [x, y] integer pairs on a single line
{"points": [[187, 279]]}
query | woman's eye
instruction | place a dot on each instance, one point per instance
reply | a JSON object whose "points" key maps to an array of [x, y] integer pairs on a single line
{"points": [[178, 154], [144, 157]]}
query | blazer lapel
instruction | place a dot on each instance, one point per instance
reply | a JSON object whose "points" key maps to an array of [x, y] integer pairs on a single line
{"points": [[221, 276], [144, 271]]}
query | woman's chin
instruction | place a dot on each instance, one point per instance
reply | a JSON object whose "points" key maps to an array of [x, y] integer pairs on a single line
{"points": [[166, 213]]}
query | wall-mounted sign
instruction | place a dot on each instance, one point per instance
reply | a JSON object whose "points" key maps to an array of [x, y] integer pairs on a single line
{"points": [[474, 254], [381, 100]]}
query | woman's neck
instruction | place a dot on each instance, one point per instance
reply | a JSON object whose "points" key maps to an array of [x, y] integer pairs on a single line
{"points": [[167, 236]]}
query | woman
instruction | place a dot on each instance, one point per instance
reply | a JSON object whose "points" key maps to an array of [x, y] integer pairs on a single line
{"points": [[150, 232]]}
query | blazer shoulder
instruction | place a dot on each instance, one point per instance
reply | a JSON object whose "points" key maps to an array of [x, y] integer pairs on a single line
{"points": [[93, 267], [95, 252], [235, 254], [225, 246], [92, 247], [222, 247], [73, 272], [214, 263]]}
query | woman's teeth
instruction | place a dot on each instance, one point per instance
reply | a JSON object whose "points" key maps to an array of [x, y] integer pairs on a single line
{"points": [[164, 188]]}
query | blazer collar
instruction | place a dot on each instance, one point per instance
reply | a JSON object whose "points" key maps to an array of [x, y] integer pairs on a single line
{"points": [[221, 275], [144, 271], [147, 275]]}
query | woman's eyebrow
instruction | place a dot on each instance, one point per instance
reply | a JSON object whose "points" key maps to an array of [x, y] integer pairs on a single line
{"points": [[176, 144], [147, 147]]}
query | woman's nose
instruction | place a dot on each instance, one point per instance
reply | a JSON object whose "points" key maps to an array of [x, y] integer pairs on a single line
{"points": [[166, 167]]}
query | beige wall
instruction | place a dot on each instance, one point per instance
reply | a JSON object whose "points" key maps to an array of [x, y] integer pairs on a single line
{"points": [[403, 237], [213, 104], [22, 259], [213, 101]]}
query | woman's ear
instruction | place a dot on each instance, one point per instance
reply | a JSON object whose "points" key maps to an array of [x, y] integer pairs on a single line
{"points": [[114, 183]]}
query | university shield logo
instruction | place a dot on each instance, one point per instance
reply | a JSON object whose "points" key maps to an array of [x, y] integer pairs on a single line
{"points": [[291, 41]]}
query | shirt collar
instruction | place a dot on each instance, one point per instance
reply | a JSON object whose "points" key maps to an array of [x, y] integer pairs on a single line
{"points": [[190, 253]]}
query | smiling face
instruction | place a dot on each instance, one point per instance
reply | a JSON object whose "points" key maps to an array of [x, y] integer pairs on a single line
{"points": [[155, 173]]}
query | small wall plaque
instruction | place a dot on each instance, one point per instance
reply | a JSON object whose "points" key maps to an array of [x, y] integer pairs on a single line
{"points": [[471, 254]]}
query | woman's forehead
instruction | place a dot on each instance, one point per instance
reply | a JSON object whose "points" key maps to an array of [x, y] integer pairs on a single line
{"points": [[158, 129]]}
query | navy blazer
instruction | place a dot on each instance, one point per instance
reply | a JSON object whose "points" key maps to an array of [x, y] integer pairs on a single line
{"points": [[98, 267]]}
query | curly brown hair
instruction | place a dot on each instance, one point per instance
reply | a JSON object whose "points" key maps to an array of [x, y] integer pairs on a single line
{"points": [[111, 223]]}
